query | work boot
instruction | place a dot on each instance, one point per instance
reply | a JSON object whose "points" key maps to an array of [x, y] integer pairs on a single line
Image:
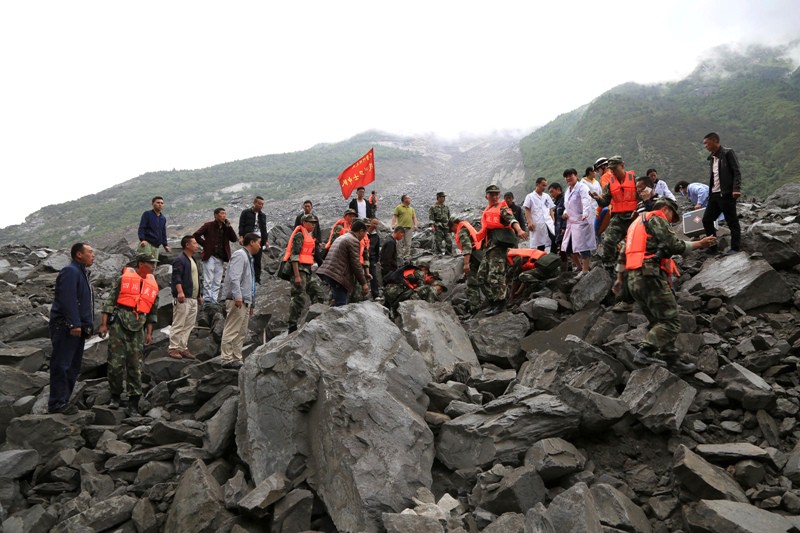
{"points": [[133, 406], [676, 366], [644, 356], [114, 403], [622, 307], [292, 328], [498, 307]]}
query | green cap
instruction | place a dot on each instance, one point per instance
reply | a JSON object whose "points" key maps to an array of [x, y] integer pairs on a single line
{"points": [[146, 258], [349, 212], [440, 194], [453, 220], [492, 188], [615, 161], [669, 202], [310, 218], [440, 284]]}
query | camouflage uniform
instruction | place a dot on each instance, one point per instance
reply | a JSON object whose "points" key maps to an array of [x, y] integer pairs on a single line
{"points": [[439, 214], [309, 284], [395, 293], [126, 344], [650, 288], [615, 232], [473, 292], [356, 295], [492, 272]]}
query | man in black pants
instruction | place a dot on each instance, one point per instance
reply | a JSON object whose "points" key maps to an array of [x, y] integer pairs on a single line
{"points": [[252, 220], [725, 180]]}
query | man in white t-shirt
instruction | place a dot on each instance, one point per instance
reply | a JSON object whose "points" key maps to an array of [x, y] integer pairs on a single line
{"points": [[360, 205], [660, 186], [539, 214]]}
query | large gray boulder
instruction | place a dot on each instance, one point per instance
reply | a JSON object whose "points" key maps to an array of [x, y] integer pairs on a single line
{"points": [[786, 196], [658, 398], [733, 517], [590, 289], [198, 504], [748, 282], [343, 397], [700, 479], [497, 338], [435, 331], [778, 243], [504, 429]]}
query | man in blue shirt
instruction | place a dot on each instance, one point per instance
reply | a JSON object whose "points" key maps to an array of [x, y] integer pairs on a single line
{"points": [[71, 322], [153, 229], [697, 193]]}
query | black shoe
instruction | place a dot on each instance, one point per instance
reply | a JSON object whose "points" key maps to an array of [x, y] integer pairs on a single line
{"points": [[133, 406], [114, 403], [232, 364], [67, 409], [644, 357], [676, 366], [732, 251], [711, 251], [498, 308]]}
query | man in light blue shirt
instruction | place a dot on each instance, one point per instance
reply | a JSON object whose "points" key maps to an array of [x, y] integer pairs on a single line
{"points": [[239, 292], [697, 193]]}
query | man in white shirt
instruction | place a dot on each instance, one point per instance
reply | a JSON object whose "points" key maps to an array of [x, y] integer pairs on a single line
{"points": [[660, 186], [360, 205], [539, 215]]}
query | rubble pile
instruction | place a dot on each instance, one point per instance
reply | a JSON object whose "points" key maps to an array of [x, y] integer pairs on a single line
{"points": [[534, 420]]}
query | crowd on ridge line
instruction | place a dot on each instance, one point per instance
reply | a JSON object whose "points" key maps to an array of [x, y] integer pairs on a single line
{"points": [[630, 217]]}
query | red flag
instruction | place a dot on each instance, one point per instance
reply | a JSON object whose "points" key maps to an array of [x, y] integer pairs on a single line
{"points": [[358, 174]]}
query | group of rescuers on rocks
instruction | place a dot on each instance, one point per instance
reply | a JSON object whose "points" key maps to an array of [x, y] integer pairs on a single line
{"points": [[630, 215]]}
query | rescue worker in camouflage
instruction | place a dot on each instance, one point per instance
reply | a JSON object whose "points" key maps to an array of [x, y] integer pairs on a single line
{"points": [[646, 257], [341, 226], [417, 283], [128, 317], [621, 194], [300, 253], [439, 215], [467, 241], [499, 232]]}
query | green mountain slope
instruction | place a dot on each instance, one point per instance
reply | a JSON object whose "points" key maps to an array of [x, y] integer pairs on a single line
{"points": [[752, 100]]}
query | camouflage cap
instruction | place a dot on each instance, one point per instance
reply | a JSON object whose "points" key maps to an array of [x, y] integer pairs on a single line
{"points": [[440, 284], [440, 194], [615, 161], [310, 218], [145, 258], [492, 188], [453, 220], [349, 212], [668, 202]]}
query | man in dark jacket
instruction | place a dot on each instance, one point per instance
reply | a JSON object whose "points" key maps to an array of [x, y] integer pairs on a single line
{"points": [[343, 263], [389, 252], [362, 206], [186, 283], [374, 256], [725, 181], [71, 322], [215, 237], [252, 220], [153, 229]]}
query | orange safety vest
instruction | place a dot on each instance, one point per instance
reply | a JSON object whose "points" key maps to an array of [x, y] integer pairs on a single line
{"points": [[490, 219], [363, 245], [530, 256], [636, 245], [476, 243], [623, 195], [409, 272], [345, 229], [606, 178], [137, 293], [307, 251]]}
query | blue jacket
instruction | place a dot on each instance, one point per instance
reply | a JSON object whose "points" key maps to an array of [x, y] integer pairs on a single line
{"points": [[182, 273], [240, 280], [153, 228], [72, 303]]}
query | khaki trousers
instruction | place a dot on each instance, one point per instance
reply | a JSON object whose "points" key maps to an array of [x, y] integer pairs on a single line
{"points": [[235, 331], [184, 316]]}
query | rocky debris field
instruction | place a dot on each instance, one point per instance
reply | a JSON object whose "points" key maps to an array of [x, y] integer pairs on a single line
{"points": [[533, 420]]}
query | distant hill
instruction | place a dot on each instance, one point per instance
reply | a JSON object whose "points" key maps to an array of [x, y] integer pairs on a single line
{"points": [[418, 166], [752, 99]]}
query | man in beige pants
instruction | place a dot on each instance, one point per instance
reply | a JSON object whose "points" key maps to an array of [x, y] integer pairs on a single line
{"points": [[186, 283], [239, 291]]}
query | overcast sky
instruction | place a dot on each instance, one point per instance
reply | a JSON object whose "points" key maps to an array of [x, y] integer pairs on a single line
{"points": [[96, 93]]}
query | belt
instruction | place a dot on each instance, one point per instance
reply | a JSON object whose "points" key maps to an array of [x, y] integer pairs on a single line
{"points": [[243, 302]]}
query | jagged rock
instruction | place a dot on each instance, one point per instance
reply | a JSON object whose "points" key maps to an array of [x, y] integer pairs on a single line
{"points": [[208, 409], [492, 379], [139, 457], [536, 520], [258, 501], [27, 358], [11, 304], [574, 511], [503, 430], [235, 489], [554, 339], [506, 490], [220, 428], [35, 519], [554, 458], [47, 434], [617, 511], [590, 289], [598, 412], [749, 282], [198, 504], [732, 517], [143, 516], [103, 515], [507, 523], [435, 331], [100, 486], [778, 243], [163, 368], [749, 473], [152, 473], [16, 463], [293, 512], [17, 383], [786, 196], [497, 339], [441, 394], [23, 327], [745, 386], [334, 393], [732, 452], [702, 480], [658, 398], [792, 468], [109, 444], [410, 523], [163, 432]]}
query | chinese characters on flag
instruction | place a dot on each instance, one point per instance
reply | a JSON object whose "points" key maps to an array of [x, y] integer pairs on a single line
{"points": [[358, 174]]}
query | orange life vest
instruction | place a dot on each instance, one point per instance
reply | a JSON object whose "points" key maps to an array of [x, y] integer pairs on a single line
{"points": [[606, 178], [636, 245], [529, 256], [409, 272], [476, 243], [490, 219], [306, 252], [623, 195], [345, 229], [137, 293], [363, 245]]}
